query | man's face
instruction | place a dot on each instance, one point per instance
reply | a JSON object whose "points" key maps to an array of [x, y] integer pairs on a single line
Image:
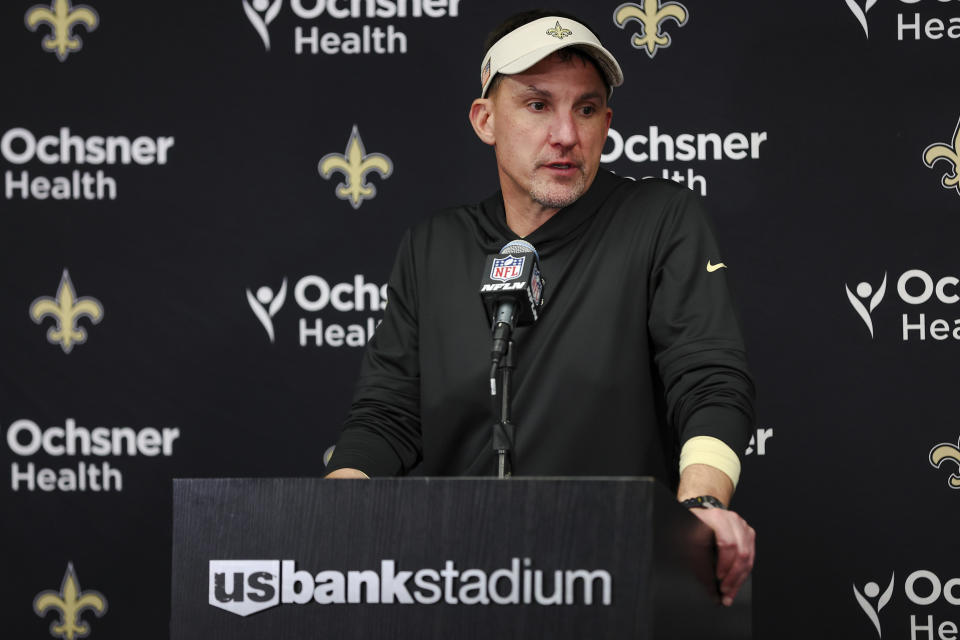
{"points": [[549, 126]]}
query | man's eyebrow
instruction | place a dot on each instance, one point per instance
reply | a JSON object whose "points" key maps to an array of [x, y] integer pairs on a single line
{"points": [[533, 90], [591, 95], [536, 92]]}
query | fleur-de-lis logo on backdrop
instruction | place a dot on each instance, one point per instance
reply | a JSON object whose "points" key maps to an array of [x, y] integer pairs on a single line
{"points": [[62, 17], [864, 291], [946, 451], [355, 164], [71, 602], [559, 32], [260, 23], [650, 14], [66, 309], [861, 13], [943, 151], [871, 590]]}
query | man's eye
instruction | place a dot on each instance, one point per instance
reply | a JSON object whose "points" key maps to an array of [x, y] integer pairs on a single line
{"points": [[588, 110], [538, 106]]}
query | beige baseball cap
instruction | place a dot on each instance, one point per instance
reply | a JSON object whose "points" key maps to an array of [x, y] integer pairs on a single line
{"points": [[527, 45]]}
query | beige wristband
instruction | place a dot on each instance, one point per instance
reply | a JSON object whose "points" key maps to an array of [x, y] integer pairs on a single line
{"points": [[712, 452]]}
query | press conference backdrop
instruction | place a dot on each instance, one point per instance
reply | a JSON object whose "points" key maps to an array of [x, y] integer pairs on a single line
{"points": [[201, 203]]}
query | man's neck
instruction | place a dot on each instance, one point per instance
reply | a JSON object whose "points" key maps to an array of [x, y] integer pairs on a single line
{"points": [[526, 217]]}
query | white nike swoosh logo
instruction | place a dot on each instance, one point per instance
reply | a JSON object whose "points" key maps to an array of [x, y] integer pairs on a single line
{"points": [[713, 267]]}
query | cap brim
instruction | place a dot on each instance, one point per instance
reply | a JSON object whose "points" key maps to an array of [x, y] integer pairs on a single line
{"points": [[530, 43], [611, 70]]}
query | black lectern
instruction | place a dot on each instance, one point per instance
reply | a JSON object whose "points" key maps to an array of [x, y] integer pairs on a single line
{"points": [[442, 558]]}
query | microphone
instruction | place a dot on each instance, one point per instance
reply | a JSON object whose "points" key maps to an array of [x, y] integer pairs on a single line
{"points": [[512, 291]]}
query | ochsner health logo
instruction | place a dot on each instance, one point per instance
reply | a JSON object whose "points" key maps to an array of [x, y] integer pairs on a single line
{"points": [[261, 13], [313, 294], [934, 292], [870, 592], [864, 292], [861, 13], [266, 304]]}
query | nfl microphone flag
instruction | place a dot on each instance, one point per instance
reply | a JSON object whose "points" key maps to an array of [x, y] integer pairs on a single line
{"points": [[513, 278]]}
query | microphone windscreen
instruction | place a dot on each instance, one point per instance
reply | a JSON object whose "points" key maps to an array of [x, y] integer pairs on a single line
{"points": [[519, 246]]}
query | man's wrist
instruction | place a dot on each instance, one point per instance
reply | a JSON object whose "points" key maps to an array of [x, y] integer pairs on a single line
{"points": [[703, 502], [347, 473]]}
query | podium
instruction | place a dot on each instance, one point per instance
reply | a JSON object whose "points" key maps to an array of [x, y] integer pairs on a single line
{"points": [[299, 558]]}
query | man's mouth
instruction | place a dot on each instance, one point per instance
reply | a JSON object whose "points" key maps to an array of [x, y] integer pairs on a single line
{"points": [[561, 166]]}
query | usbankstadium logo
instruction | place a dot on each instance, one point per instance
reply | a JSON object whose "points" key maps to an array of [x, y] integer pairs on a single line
{"points": [[651, 16], [66, 310], [61, 18], [71, 603], [354, 164], [246, 587], [947, 154]]}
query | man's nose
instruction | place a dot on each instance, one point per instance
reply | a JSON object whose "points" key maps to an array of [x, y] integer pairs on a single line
{"points": [[563, 130]]}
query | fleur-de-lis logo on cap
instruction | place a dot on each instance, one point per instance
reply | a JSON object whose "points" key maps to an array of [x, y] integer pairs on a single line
{"points": [[355, 164], [946, 451], [650, 14], [70, 602], [942, 151], [559, 32], [66, 309], [61, 17]]}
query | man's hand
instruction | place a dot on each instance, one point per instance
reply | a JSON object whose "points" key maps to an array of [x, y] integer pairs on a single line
{"points": [[347, 473], [736, 540], [735, 549]]}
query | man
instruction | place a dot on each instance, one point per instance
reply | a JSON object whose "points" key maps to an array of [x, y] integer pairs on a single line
{"points": [[636, 366]]}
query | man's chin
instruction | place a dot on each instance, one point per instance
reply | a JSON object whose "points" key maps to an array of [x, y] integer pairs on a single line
{"points": [[557, 196]]}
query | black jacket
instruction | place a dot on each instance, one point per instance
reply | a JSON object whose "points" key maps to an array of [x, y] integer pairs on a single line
{"points": [[637, 349]]}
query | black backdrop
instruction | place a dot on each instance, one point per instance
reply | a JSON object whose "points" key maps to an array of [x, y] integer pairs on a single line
{"points": [[842, 102]]}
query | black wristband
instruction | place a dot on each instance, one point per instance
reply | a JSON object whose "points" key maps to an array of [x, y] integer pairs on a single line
{"points": [[703, 502]]}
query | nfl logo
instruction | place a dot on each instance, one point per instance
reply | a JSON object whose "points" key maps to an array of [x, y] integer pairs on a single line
{"points": [[509, 268]]}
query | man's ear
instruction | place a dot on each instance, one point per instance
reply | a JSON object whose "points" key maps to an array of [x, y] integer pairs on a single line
{"points": [[481, 117]]}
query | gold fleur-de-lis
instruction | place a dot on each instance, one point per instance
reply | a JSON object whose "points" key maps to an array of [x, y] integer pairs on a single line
{"points": [[61, 17], [66, 309], [942, 151], [355, 164], [71, 602], [943, 452], [650, 14], [559, 32]]}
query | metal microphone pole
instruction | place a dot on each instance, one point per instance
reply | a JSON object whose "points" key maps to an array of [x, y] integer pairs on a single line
{"points": [[503, 431]]}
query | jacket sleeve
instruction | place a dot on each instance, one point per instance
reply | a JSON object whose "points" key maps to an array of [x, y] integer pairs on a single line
{"points": [[381, 435], [698, 347]]}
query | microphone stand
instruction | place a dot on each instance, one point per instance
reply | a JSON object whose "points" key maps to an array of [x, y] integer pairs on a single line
{"points": [[503, 431]]}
